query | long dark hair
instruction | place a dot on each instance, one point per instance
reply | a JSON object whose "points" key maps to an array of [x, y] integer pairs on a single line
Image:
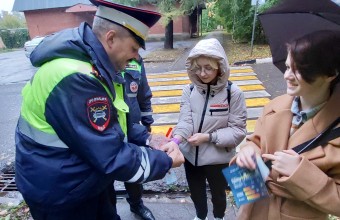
{"points": [[316, 54]]}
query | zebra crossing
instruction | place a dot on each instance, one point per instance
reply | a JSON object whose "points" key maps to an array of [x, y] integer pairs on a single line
{"points": [[167, 90]]}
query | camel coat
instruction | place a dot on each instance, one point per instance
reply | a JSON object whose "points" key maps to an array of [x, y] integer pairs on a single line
{"points": [[313, 190]]}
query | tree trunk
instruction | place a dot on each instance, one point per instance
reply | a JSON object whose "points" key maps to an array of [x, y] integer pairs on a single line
{"points": [[193, 18], [169, 36]]}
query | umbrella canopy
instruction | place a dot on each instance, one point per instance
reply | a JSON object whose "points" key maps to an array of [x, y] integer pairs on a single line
{"points": [[294, 18]]}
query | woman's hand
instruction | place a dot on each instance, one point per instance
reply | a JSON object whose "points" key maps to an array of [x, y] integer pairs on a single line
{"points": [[246, 157], [198, 139], [284, 162]]}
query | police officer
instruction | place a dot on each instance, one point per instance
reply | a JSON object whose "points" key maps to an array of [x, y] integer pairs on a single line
{"points": [[71, 137], [139, 93]]}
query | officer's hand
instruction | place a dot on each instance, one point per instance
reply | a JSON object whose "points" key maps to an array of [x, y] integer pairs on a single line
{"points": [[169, 147], [177, 157], [157, 140]]}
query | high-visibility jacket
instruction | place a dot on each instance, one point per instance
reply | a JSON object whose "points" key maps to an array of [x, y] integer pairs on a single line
{"points": [[139, 93], [70, 136]]}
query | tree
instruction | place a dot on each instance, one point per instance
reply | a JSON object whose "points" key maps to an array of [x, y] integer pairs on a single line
{"points": [[170, 9], [13, 29], [12, 21], [211, 18], [239, 15]]}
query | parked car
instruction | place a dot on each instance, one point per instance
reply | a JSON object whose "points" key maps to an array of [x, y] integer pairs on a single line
{"points": [[30, 45]]}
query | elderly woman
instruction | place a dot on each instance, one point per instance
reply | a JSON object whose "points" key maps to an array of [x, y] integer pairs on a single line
{"points": [[212, 123], [307, 185]]}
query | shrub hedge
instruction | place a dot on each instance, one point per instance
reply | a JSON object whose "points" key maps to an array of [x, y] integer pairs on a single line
{"points": [[14, 38]]}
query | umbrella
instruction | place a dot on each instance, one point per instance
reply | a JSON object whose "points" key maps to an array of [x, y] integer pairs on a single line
{"points": [[295, 18]]}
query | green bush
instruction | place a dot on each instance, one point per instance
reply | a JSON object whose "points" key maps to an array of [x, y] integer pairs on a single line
{"points": [[14, 38], [237, 17], [210, 18]]}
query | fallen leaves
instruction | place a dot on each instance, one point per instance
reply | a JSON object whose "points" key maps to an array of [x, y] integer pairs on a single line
{"points": [[164, 55], [235, 52], [242, 51]]}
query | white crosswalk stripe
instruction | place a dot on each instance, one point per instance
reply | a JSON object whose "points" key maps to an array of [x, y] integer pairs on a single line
{"points": [[186, 78], [177, 99], [174, 87]]}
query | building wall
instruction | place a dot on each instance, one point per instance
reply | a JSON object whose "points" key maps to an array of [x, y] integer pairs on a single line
{"points": [[44, 22], [181, 24]]}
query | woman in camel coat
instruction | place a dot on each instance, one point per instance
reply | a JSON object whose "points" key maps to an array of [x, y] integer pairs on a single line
{"points": [[305, 186]]}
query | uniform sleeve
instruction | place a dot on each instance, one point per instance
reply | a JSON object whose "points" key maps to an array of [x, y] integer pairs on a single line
{"points": [[138, 134], [233, 135], [144, 99], [72, 117], [184, 126]]}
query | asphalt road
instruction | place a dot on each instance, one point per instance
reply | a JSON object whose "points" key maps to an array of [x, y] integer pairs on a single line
{"points": [[272, 78], [15, 70]]}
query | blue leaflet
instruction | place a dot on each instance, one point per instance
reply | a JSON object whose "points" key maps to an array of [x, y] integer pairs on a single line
{"points": [[247, 185]]}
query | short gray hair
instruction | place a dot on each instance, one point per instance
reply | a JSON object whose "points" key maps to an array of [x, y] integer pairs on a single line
{"points": [[102, 26]]}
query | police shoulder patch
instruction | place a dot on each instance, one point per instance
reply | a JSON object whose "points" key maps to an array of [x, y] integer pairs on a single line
{"points": [[98, 111]]}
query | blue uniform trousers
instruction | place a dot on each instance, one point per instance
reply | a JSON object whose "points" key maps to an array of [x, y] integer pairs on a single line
{"points": [[101, 207], [134, 191]]}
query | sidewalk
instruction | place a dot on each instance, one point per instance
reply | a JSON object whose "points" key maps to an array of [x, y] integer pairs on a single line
{"points": [[165, 208]]}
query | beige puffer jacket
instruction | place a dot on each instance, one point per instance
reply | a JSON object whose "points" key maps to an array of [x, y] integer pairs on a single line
{"points": [[226, 123]]}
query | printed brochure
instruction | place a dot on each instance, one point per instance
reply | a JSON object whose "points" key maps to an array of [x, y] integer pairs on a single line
{"points": [[247, 185]]}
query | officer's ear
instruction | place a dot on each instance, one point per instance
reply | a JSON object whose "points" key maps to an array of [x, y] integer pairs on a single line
{"points": [[111, 38]]}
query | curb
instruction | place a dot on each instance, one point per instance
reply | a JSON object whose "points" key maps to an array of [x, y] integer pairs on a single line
{"points": [[254, 61]]}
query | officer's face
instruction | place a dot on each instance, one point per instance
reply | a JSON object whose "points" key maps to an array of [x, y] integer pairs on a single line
{"points": [[123, 50]]}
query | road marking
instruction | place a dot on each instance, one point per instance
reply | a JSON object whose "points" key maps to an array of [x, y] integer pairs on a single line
{"points": [[167, 90], [177, 99], [164, 128], [179, 91], [187, 81], [175, 87], [184, 73], [175, 107], [172, 118], [186, 77]]}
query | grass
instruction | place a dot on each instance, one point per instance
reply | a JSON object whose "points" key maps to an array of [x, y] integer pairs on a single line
{"points": [[235, 51], [5, 50], [241, 52]]}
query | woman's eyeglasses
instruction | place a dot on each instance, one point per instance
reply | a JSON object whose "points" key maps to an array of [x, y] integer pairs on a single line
{"points": [[207, 70]]}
